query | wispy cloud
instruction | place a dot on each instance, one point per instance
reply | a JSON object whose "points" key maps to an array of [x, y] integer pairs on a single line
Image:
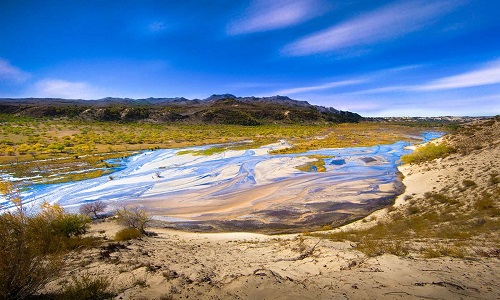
{"points": [[157, 26], [56, 88], [326, 86], [10, 73], [380, 25], [360, 80], [264, 15], [486, 75], [381, 90], [448, 105]]}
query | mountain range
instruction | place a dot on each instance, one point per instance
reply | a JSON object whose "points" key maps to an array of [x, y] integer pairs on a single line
{"points": [[216, 109]]}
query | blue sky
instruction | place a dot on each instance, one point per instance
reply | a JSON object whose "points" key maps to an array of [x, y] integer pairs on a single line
{"points": [[377, 58]]}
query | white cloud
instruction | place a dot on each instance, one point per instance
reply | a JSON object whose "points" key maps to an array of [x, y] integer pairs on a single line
{"points": [[380, 25], [10, 73], [486, 75], [157, 27], [264, 15], [56, 88], [326, 86]]}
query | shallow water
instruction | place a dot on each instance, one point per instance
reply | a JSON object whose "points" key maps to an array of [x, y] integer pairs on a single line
{"points": [[190, 187]]}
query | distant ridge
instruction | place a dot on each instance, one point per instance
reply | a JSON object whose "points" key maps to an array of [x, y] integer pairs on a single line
{"points": [[216, 109]]}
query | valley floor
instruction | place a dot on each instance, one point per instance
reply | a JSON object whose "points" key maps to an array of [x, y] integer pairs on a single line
{"points": [[182, 265]]}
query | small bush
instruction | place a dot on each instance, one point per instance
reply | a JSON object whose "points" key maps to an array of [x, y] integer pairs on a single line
{"points": [[372, 247], [54, 229], [71, 225], [86, 287], [93, 208], [397, 248], [134, 217], [166, 297], [169, 274], [413, 210], [128, 234]]}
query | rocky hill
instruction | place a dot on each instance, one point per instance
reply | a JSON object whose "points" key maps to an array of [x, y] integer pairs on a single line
{"points": [[216, 109], [424, 120]]}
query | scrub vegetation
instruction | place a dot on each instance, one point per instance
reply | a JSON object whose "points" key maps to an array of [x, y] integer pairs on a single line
{"points": [[52, 150], [32, 244], [428, 152]]}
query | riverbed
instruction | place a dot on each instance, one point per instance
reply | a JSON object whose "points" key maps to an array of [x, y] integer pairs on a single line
{"points": [[244, 189]]}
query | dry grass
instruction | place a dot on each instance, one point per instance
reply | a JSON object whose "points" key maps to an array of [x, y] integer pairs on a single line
{"points": [[128, 234], [86, 287], [31, 244]]}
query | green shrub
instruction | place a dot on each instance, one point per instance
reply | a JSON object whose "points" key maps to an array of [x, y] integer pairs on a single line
{"points": [[371, 247], [128, 234], [71, 225], [427, 153], [56, 230]]}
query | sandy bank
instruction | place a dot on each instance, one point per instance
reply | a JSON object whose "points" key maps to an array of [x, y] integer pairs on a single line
{"points": [[182, 265]]}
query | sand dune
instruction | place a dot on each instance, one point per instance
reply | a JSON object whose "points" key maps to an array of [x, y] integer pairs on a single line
{"points": [[182, 265]]}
